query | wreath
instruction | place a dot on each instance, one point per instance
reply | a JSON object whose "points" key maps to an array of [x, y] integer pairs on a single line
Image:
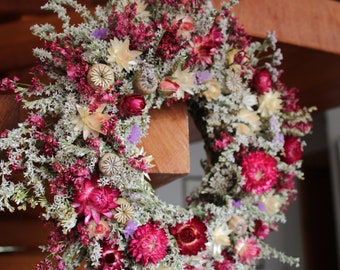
{"points": [[79, 148]]}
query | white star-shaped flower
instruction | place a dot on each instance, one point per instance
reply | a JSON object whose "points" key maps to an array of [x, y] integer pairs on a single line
{"points": [[121, 55]]}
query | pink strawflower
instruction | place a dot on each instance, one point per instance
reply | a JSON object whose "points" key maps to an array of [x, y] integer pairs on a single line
{"points": [[247, 250], [259, 171], [93, 201], [190, 236], [148, 244], [168, 86]]}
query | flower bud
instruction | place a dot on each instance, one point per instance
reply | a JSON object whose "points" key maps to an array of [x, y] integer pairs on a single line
{"points": [[131, 105], [292, 150], [262, 81], [168, 87]]}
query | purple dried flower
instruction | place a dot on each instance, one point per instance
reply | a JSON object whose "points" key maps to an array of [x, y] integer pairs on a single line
{"points": [[202, 76], [236, 204], [130, 229], [135, 134], [100, 33], [261, 206]]}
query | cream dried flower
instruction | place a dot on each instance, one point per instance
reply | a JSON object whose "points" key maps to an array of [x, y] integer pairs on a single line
{"points": [[249, 122], [238, 225], [185, 80], [120, 54], [89, 123], [213, 90], [270, 103], [220, 239], [141, 10], [272, 203]]}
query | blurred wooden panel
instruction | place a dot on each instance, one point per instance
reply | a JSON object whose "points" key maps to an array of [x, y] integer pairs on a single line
{"points": [[308, 23], [14, 7], [168, 143], [20, 261], [315, 73], [10, 112], [24, 232]]}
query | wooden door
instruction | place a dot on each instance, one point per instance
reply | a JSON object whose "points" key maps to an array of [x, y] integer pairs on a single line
{"points": [[21, 232]]}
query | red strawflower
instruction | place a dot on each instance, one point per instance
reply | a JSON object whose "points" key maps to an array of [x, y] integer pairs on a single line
{"points": [[261, 229], [204, 48], [148, 244], [131, 105], [93, 201], [262, 81], [260, 172], [247, 250], [292, 150], [190, 236], [111, 258]]}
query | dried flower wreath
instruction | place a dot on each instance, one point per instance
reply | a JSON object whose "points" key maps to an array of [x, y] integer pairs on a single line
{"points": [[79, 153]]}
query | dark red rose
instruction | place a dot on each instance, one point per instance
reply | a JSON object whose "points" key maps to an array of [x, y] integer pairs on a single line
{"points": [[190, 236], [131, 105], [262, 81], [292, 150]]}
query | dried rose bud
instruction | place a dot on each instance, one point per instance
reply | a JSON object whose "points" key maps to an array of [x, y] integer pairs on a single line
{"points": [[262, 81], [292, 150], [131, 105], [168, 87]]}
